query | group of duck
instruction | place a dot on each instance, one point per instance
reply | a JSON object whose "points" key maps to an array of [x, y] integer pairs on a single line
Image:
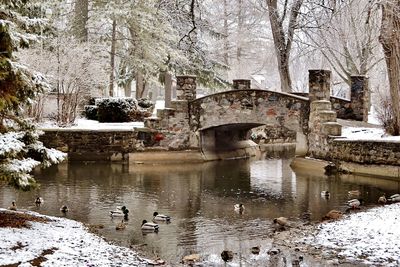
{"points": [[146, 226], [354, 202], [38, 202]]}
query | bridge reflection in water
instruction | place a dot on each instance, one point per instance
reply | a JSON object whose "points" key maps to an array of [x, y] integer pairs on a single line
{"points": [[199, 197]]}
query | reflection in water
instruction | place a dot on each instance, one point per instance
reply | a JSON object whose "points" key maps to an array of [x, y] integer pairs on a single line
{"points": [[198, 197]]}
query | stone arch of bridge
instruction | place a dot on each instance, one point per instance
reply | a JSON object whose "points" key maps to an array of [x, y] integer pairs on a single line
{"points": [[234, 113]]}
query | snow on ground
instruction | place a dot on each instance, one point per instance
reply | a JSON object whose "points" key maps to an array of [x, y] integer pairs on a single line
{"points": [[84, 124], [371, 237], [74, 246]]}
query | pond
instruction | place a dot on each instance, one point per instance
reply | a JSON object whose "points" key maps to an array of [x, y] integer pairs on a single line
{"points": [[200, 199]]}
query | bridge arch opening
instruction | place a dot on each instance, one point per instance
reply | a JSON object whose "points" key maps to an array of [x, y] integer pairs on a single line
{"points": [[228, 141]]}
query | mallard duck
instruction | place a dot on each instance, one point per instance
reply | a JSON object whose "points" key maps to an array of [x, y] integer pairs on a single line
{"points": [[123, 212], [148, 226], [394, 198], [120, 226], [38, 201], [64, 209], [326, 194], [239, 207], [354, 193], [13, 206], [255, 250], [382, 199], [354, 203], [161, 217], [227, 255]]}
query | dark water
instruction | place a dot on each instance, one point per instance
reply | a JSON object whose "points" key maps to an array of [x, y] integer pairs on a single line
{"points": [[198, 197]]}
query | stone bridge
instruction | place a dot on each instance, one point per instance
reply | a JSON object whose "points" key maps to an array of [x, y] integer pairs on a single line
{"points": [[221, 122]]}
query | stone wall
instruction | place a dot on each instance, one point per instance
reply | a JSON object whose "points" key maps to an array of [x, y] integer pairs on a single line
{"points": [[94, 145], [364, 151]]}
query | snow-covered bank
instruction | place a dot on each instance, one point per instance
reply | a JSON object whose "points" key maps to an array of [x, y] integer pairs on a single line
{"points": [[69, 243], [371, 237]]}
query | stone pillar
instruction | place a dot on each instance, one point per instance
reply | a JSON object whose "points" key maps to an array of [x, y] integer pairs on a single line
{"points": [[186, 87], [359, 97], [168, 89], [319, 85], [241, 84]]}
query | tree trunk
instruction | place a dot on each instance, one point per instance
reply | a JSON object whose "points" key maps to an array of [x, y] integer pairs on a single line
{"points": [[140, 85], [112, 59], [390, 40], [239, 38], [81, 11], [226, 33], [283, 41], [128, 88]]}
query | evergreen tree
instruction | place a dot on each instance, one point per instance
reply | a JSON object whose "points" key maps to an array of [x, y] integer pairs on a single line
{"points": [[20, 149]]}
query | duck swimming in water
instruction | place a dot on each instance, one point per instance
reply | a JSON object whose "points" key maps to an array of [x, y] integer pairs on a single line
{"points": [[148, 226], [64, 209], [238, 207], [161, 217], [38, 201], [123, 212]]}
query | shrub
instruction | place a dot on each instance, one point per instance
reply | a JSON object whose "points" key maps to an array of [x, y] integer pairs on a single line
{"points": [[122, 109], [90, 112]]}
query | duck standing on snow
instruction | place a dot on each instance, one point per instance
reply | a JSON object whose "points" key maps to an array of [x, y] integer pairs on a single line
{"points": [[394, 198], [148, 226], [354, 203], [13, 206], [382, 199], [38, 201], [123, 212], [161, 217]]}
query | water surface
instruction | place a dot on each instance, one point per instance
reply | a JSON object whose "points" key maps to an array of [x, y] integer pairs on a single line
{"points": [[199, 198]]}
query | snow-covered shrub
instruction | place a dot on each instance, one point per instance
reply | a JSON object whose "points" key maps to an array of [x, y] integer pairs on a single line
{"points": [[125, 109], [90, 112]]}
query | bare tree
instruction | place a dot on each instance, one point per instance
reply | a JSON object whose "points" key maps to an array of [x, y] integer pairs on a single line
{"points": [[81, 10], [283, 38], [390, 40]]}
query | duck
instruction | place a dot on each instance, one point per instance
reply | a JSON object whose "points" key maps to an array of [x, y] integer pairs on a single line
{"points": [[38, 201], [64, 209], [326, 194], [13, 206], [382, 199], [120, 226], [394, 198], [123, 212], [148, 226], [333, 215], [239, 207], [282, 221], [354, 203], [227, 255], [161, 217], [255, 250], [354, 193]]}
